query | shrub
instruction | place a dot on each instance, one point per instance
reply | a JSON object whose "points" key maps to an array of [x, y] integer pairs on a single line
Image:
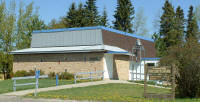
{"points": [[31, 72], [42, 72], [148, 82], [187, 60], [21, 73], [66, 76], [52, 75]]}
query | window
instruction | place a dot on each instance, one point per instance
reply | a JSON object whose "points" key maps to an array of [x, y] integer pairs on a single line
{"points": [[41, 60], [73, 59], [94, 59], [151, 64]]}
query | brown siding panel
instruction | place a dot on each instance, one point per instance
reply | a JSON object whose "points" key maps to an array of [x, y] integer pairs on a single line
{"points": [[127, 42]]}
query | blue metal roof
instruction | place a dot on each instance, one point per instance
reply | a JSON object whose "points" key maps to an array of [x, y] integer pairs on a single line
{"points": [[95, 27], [150, 58]]}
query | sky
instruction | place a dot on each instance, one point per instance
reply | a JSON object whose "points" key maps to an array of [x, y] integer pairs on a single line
{"points": [[54, 9]]}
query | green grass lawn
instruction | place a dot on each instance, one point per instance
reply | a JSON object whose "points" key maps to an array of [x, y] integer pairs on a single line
{"points": [[107, 92], [7, 85]]}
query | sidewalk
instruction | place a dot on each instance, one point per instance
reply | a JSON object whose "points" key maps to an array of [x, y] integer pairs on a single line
{"points": [[4, 98]]}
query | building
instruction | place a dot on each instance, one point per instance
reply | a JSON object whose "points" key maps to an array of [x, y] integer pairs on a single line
{"points": [[86, 49]]}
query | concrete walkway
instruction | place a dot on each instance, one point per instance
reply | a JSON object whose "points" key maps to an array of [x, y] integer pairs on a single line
{"points": [[24, 92], [4, 98]]}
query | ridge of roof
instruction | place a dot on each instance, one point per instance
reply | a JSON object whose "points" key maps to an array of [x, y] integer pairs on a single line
{"points": [[91, 28]]}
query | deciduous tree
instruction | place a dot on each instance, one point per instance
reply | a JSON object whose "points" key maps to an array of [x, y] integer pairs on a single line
{"points": [[7, 31], [139, 24], [27, 22]]}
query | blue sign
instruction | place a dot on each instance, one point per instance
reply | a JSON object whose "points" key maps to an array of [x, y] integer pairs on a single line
{"points": [[56, 79], [37, 74]]}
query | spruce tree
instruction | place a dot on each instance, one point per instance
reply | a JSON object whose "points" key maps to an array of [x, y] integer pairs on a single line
{"points": [[167, 32], [124, 16], [179, 24], [192, 27], [92, 13], [104, 18], [70, 19], [37, 24], [81, 16], [77, 17]]}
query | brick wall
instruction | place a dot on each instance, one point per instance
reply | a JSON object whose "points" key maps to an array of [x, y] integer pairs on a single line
{"points": [[121, 67], [73, 62]]}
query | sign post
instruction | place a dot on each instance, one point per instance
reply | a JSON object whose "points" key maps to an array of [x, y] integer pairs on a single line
{"points": [[37, 75], [56, 79]]}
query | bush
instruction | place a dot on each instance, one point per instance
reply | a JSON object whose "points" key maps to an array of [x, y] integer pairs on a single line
{"points": [[66, 76], [22, 73], [31, 72], [187, 60], [42, 72], [52, 75], [148, 82]]}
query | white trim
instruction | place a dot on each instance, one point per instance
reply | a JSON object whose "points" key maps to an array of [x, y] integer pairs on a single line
{"points": [[95, 48], [108, 66]]}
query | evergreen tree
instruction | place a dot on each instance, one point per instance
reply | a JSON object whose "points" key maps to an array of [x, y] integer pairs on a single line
{"points": [[81, 16], [37, 24], [124, 16], [192, 27], [76, 17], [104, 18], [70, 19], [197, 15], [179, 24], [92, 13], [167, 34]]}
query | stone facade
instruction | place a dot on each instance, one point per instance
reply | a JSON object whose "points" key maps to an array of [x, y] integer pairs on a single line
{"points": [[71, 62], [121, 67]]}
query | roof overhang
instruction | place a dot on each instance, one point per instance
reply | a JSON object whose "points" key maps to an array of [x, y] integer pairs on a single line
{"points": [[119, 53], [72, 49]]}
